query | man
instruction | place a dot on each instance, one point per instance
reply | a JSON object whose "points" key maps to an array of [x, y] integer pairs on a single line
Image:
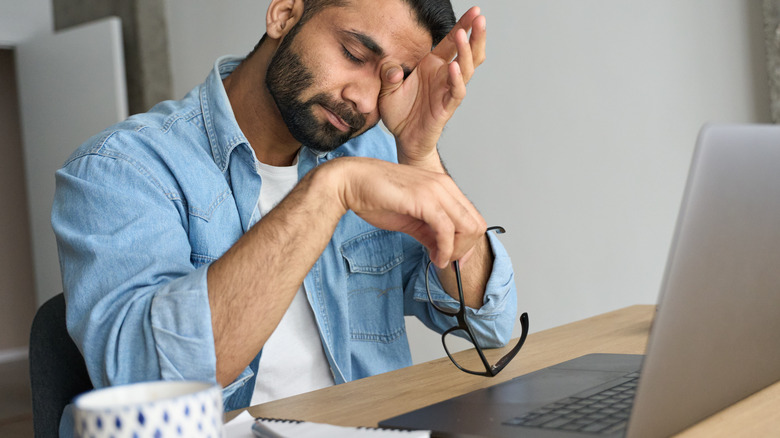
{"points": [[185, 257]]}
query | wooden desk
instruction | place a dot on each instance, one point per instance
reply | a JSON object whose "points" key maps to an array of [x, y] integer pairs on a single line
{"points": [[367, 401]]}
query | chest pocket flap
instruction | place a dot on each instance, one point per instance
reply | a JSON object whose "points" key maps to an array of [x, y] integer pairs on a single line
{"points": [[375, 252]]}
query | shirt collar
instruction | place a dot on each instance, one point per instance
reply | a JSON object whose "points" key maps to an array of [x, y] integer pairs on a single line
{"points": [[221, 125], [220, 121]]}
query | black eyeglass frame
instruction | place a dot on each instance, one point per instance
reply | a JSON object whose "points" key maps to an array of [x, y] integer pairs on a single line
{"points": [[460, 315]]}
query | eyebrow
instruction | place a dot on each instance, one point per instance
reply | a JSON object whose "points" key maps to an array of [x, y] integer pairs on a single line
{"points": [[374, 47]]}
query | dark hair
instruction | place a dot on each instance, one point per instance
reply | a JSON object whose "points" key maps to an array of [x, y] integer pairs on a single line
{"points": [[436, 16]]}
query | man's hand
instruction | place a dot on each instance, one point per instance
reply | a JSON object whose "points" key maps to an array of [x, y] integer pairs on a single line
{"points": [[416, 109], [425, 205]]}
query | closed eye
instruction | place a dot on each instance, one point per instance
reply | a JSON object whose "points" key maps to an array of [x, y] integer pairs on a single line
{"points": [[351, 57]]}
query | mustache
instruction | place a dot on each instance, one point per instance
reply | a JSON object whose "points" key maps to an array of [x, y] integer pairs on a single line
{"points": [[354, 119]]}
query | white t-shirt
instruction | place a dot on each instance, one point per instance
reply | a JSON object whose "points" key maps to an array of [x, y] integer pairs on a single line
{"points": [[293, 361]]}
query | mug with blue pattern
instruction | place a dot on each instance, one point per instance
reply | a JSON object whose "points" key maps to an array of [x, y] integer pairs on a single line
{"points": [[150, 410]]}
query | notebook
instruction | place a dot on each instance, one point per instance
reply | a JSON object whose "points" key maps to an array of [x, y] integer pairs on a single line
{"points": [[275, 428], [714, 339]]}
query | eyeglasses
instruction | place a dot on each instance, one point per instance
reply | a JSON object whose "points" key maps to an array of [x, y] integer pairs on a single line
{"points": [[462, 329]]}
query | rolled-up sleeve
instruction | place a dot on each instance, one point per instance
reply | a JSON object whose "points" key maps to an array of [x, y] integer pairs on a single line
{"points": [[181, 325], [492, 323], [137, 306]]}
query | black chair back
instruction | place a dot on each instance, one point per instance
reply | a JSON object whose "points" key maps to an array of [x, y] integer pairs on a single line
{"points": [[57, 370]]}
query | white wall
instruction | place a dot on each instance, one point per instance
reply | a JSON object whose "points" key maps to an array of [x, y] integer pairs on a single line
{"points": [[576, 134], [22, 19], [200, 31]]}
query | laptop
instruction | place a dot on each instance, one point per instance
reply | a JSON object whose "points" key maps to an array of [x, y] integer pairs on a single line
{"points": [[714, 339]]}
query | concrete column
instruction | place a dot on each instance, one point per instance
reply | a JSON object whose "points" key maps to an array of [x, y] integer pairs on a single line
{"points": [[145, 35], [772, 39]]}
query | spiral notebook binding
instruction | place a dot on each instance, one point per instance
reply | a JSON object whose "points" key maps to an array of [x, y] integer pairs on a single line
{"points": [[278, 420], [263, 427]]}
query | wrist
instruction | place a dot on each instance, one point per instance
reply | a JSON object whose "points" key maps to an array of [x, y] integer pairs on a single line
{"points": [[330, 185], [430, 161]]}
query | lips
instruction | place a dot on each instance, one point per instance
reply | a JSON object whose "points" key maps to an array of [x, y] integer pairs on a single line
{"points": [[337, 121]]}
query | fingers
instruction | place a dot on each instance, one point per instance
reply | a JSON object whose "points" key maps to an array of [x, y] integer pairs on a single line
{"points": [[455, 224], [456, 82], [464, 59], [473, 53], [470, 51], [478, 39], [392, 76], [448, 225], [469, 229], [446, 49], [426, 205]]}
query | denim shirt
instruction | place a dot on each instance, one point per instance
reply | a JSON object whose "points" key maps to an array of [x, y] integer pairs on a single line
{"points": [[142, 209]]}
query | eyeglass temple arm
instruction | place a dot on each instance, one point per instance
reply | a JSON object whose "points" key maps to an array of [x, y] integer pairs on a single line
{"points": [[511, 355]]}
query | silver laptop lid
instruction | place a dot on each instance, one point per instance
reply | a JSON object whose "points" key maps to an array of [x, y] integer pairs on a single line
{"points": [[716, 337]]}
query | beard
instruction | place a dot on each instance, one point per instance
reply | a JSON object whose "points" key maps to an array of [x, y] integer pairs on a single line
{"points": [[286, 79]]}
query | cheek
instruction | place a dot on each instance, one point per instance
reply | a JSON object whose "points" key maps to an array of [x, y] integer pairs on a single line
{"points": [[319, 69], [322, 80]]}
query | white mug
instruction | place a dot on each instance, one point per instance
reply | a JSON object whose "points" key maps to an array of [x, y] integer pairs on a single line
{"points": [[150, 409]]}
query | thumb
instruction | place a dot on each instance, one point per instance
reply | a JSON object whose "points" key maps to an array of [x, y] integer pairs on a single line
{"points": [[392, 78]]}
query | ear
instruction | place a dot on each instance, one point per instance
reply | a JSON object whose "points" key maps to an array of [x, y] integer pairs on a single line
{"points": [[282, 16]]}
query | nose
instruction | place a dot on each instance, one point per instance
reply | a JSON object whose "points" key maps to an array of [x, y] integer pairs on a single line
{"points": [[363, 93]]}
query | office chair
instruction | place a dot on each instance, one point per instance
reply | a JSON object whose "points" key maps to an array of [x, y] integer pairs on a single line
{"points": [[57, 369]]}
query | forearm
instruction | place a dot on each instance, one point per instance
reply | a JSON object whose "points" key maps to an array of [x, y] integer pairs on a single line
{"points": [[252, 285], [474, 274]]}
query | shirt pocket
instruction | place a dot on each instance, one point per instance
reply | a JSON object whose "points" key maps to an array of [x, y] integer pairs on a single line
{"points": [[375, 286], [214, 225]]}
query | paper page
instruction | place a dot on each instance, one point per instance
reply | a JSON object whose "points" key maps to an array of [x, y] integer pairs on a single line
{"points": [[239, 427]]}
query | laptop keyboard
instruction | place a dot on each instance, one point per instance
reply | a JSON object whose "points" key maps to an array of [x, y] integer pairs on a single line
{"points": [[603, 412]]}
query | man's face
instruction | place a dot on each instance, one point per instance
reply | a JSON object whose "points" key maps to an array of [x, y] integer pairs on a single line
{"points": [[325, 75]]}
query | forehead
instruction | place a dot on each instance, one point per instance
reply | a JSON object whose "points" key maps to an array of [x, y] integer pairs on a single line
{"points": [[392, 24]]}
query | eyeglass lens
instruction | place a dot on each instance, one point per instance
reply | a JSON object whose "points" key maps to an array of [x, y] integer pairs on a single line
{"points": [[458, 341]]}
